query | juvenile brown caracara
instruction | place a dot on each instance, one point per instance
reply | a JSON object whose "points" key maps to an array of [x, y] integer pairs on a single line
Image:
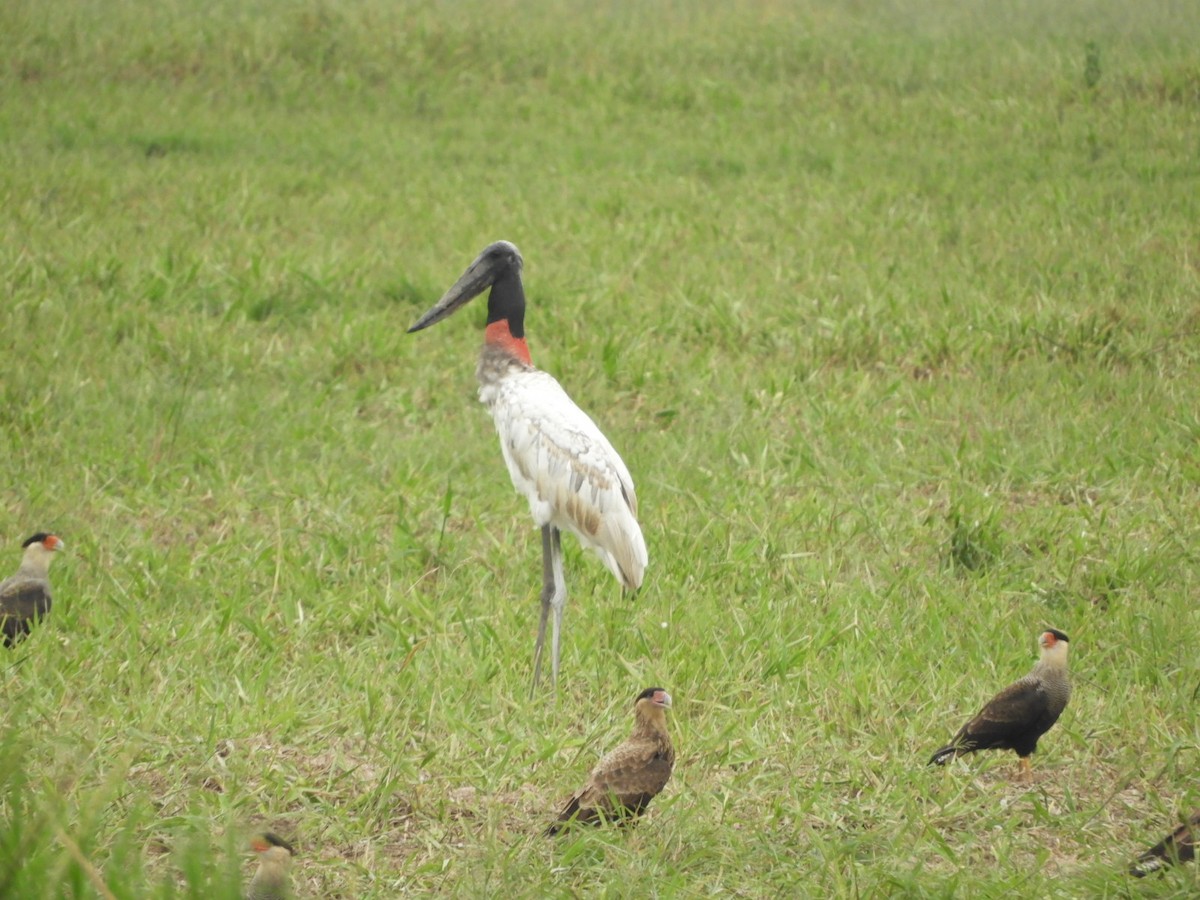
{"points": [[1021, 713], [627, 778], [270, 882], [1178, 846], [25, 597]]}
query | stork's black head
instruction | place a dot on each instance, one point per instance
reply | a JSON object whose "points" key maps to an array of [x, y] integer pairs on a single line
{"points": [[502, 254], [498, 267]]}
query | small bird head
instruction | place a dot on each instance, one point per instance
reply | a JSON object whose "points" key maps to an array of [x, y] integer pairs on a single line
{"points": [[494, 263], [1054, 646], [266, 841], [655, 697], [1050, 637], [40, 549], [51, 542]]}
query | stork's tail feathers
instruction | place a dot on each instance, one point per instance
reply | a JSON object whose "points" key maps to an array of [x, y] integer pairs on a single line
{"points": [[945, 755], [631, 581], [628, 563]]}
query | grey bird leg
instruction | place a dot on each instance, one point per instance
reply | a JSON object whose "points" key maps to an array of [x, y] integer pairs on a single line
{"points": [[547, 594], [559, 600]]}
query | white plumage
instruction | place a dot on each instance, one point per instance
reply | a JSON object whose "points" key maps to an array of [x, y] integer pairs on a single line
{"points": [[557, 457], [567, 469]]}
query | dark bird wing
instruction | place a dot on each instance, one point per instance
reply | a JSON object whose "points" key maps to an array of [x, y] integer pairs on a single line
{"points": [[22, 599], [1016, 707], [1179, 846], [622, 783], [1011, 712]]}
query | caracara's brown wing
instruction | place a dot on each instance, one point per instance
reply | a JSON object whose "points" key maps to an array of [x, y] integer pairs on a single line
{"points": [[628, 787], [623, 782], [1013, 710], [1179, 846], [22, 600]]}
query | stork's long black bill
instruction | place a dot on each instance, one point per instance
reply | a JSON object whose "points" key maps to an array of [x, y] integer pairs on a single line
{"points": [[493, 262], [473, 282]]}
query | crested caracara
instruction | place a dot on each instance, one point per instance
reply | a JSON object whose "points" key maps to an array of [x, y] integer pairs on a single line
{"points": [[1021, 713], [25, 597], [271, 881], [1178, 846], [628, 777]]}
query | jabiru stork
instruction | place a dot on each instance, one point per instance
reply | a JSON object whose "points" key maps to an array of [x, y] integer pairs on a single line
{"points": [[564, 465]]}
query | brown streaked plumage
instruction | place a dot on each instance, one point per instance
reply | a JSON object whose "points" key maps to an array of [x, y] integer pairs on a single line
{"points": [[25, 597], [628, 777], [1178, 846], [1021, 713], [271, 880]]}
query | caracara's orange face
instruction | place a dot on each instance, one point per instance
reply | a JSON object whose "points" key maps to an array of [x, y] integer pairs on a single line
{"points": [[52, 542], [652, 698], [266, 841], [1053, 641]]}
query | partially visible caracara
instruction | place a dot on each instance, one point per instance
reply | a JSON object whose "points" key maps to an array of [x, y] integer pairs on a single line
{"points": [[270, 882], [25, 597], [627, 778], [1178, 846], [1021, 713]]}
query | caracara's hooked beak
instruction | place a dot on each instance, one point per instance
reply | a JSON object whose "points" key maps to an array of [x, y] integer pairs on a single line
{"points": [[663, 699], [494, 262]]}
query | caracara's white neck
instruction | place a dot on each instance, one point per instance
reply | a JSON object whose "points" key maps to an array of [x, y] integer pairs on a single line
{"points": [[36, 560], [1054, 659]]}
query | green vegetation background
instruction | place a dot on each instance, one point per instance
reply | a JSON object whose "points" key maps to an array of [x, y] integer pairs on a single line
{"points": [[892, 308]]}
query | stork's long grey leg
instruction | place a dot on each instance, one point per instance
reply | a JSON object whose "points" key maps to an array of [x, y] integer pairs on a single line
{"points": [[547, 595], [559, 598]]}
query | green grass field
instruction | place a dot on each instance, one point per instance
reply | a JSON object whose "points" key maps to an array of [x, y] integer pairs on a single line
{"points": [[893, 310]]}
